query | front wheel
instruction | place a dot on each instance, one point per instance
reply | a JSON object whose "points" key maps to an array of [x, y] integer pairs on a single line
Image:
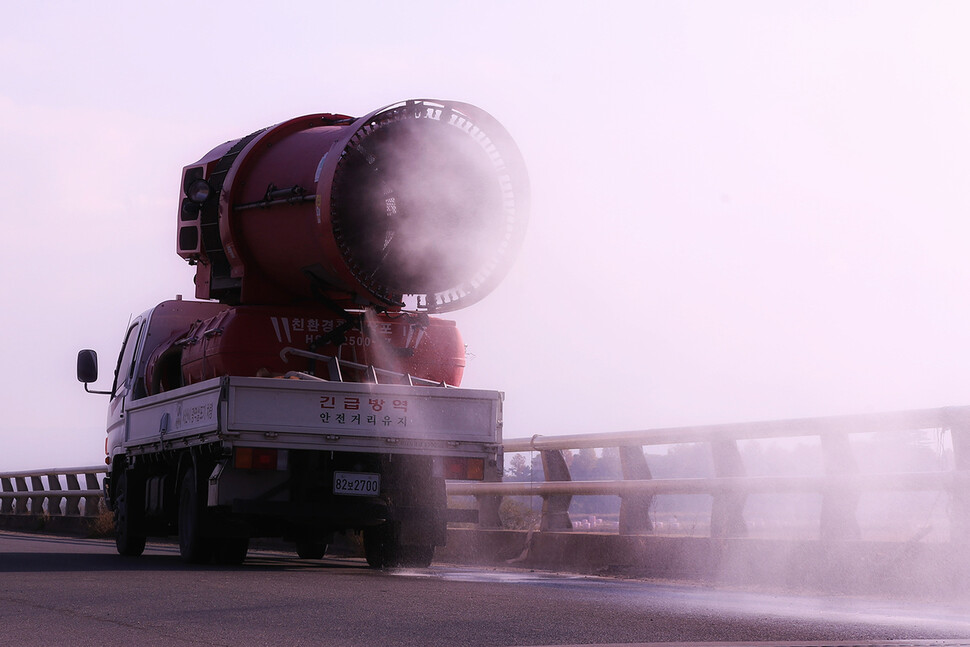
{"points": [[129, 539]]}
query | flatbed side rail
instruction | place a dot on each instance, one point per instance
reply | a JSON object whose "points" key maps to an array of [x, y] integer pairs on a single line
{"points": [[334, 366]]}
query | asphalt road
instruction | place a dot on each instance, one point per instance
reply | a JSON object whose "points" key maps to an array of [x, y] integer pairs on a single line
{"points": [[67, 591]]}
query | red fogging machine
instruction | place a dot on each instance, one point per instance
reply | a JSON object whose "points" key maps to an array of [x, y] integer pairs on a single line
{"points": [[340, 235]]}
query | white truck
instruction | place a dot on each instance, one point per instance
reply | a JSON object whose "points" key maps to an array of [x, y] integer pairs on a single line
{"points": [[310, 391], [298, 456]]}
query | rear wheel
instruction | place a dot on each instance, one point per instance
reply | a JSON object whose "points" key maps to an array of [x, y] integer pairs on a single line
{"points": [[194, 547], [231, 550], [416, 556], [129, 539], [309, 549], [383, 549]]}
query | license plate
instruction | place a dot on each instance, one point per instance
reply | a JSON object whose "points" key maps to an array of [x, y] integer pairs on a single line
{"points": [[356, 483]]}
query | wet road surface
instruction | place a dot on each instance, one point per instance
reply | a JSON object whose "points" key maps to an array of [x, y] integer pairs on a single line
{"points": [[56, 590]]}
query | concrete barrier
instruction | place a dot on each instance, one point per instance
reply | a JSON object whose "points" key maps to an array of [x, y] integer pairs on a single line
{"points": [[903, 568]]}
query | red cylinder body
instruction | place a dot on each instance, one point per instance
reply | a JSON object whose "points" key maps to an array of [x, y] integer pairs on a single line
{"points": [[423, 200]]}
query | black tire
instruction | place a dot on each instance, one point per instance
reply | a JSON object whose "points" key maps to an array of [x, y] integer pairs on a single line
{"points": [[383, 550], [129, 539], [230, 551], [194, 546], [309, 549], [415, 556], [376, 549]]}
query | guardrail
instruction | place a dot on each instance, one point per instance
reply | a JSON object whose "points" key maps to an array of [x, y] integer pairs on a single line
{"points": [[25, 493], [840, 486]]}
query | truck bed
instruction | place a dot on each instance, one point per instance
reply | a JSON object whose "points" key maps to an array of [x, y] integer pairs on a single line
{"points": [[304, 414]]}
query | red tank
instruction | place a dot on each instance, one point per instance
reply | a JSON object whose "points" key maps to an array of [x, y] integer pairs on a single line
{"points": [[250, 341]]}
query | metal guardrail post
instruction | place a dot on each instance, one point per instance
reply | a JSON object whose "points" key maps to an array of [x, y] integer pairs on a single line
{"points": [[21, 501], [838, 519], [54, 502], [92, 504], [37, 501], [73, 507], [555, 507], [727, 509], [960, 509], [489, 504], [6, 505], [634, 507]]}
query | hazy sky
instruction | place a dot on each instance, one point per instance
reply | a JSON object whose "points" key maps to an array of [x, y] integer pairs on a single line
{"points": [[742, 210]]}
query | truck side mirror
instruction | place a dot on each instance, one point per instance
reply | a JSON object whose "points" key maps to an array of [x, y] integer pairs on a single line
{"points": [[87, 366], [87, 369]]}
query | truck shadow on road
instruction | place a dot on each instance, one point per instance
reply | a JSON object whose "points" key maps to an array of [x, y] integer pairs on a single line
{"points": [[22, 553], [86, 562]]}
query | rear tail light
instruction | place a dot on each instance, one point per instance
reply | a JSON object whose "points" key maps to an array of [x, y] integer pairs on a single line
{"points": [[260, 458], [465, 469]]}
